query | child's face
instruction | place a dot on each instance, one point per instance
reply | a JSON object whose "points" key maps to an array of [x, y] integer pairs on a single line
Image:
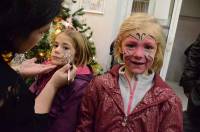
{"points": [[138, 51], [63, 50]]}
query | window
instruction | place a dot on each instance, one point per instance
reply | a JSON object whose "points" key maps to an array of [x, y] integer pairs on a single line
{"points": [[140, 5]]}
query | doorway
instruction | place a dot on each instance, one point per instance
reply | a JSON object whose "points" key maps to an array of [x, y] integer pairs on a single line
{"points": [[187, 31]]}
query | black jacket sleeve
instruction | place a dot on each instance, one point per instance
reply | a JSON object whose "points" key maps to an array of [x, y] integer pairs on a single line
{"points": [[17, 104], [27, 119], [191, 74]]}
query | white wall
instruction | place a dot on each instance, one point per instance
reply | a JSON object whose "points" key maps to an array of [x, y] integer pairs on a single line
{"points": [[191, 8], [162, 8], [102, 26]]}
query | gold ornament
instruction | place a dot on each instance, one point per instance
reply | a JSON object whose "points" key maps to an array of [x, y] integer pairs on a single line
{"points": [[57, 19], [7, 56], [41, 54]]}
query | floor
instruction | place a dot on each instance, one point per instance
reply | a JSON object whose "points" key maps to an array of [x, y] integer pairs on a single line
{"points": [[179, 92]]}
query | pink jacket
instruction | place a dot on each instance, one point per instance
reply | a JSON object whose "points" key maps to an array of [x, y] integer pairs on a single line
{"points": [[102, 108]]}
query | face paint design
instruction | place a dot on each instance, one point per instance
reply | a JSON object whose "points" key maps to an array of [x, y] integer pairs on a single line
{"points": [[138, 51], [63, 51], [67, 57]]}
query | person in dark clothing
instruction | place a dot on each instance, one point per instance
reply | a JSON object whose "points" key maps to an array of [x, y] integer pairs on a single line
{"points": [[191, 74], [112, 46], [22, 24], [190, 81]]}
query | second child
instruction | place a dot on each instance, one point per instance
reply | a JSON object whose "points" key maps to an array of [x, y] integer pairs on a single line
{"points": [[68, 47]]}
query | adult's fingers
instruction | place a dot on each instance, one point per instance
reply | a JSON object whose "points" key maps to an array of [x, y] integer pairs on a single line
{"points": [[47, 68], [32, 60], [65, 68], [48, 65]]}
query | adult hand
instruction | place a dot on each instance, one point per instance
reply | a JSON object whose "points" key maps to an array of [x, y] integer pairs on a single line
{"points": [[29, 68], [63, 76]]}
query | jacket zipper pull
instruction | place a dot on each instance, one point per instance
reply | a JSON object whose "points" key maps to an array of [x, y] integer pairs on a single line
{"points": [[124, 122]]}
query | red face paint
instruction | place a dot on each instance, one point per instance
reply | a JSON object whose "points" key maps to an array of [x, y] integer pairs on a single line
{"points": [[138, 52]]}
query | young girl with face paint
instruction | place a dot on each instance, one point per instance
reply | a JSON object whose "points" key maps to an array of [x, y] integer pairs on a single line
{"points": [[68, 47], [132, 97]]}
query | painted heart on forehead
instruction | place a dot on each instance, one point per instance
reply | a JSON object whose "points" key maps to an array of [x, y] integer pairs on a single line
{"points": [[139, 51]]}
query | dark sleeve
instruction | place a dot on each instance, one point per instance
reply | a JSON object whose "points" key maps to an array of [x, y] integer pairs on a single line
{"points": [[26, 118], [191, 69], [71, 110]]}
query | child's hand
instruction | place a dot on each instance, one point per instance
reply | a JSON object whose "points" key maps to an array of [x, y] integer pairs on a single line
{"points": [[60, 77], [29, 68]]}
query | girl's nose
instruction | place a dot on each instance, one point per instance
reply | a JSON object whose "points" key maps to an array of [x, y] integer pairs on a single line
{"points": [[57, 49], [139, 53]]}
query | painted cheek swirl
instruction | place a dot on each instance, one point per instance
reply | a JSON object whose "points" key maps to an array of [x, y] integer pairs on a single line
{"points": [[127, 53], [67, 57], [150, 59], [68, 60]]}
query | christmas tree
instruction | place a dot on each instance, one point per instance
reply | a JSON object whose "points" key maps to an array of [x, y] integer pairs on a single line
{"points": [[42, 50]]}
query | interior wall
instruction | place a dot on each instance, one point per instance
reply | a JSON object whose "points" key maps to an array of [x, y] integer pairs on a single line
{"points": [[187, 31], [191, 8]]}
